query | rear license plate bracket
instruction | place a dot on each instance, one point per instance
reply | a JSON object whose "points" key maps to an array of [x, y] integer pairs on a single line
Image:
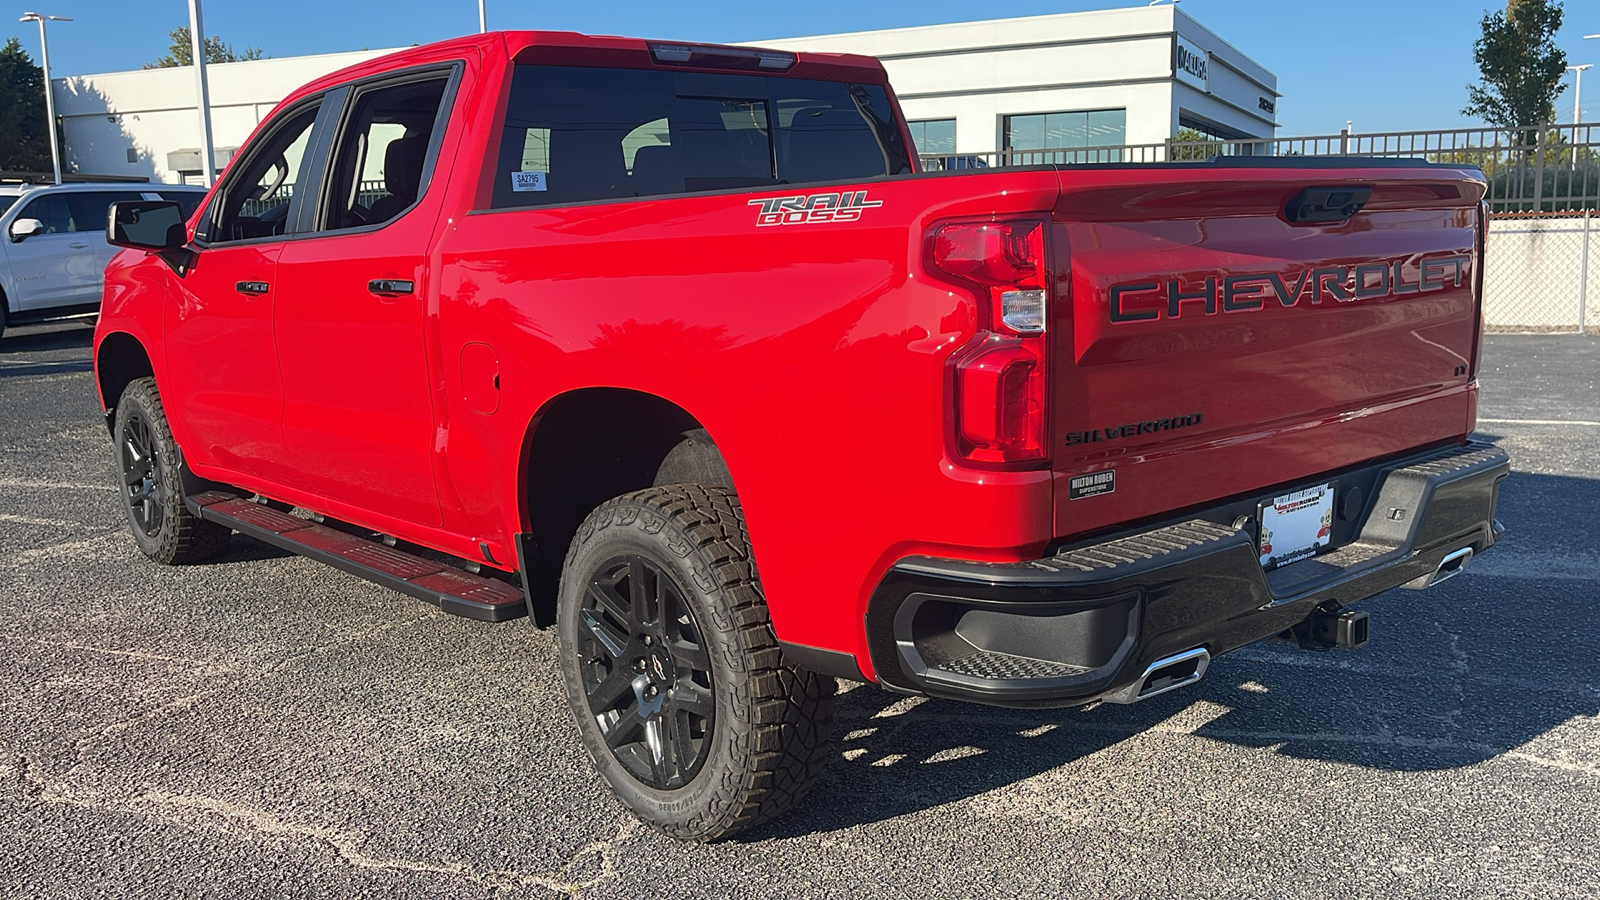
{"points": [[1295, 526]]}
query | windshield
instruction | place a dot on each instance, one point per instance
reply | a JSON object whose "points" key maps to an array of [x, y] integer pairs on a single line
{"points": [[6, 202]]}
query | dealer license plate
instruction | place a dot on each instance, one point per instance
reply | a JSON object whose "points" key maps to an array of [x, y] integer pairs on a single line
{"points": [[1295, 525]]}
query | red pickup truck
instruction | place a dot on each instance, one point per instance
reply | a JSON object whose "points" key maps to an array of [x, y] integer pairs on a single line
{"points": [[672, 347]]}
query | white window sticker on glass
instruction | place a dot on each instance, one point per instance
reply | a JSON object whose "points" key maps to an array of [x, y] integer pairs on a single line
{"points": [[528, 181]]}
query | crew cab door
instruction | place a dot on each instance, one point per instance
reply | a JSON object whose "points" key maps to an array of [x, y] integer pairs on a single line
{"points": [[358, 417], [221, 361], [56, 267]]}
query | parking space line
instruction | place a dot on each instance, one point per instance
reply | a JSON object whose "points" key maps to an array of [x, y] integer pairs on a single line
{"points": [[1579, 422]]}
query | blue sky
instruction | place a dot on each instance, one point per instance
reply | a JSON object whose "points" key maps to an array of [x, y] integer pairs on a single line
{"points": [[1387, 65]]}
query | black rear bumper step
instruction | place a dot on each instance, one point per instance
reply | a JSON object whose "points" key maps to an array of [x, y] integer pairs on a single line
{"points": [[452, 590], [1083, 623]]}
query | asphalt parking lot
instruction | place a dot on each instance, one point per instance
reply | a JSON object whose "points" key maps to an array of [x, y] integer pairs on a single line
{"points": [[263, 726]]}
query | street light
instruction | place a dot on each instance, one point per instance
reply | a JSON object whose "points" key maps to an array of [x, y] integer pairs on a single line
{"points": [[49, 96], [1577, 107], [483, 23]]}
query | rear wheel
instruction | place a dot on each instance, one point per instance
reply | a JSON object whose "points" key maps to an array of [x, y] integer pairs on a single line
{"points": [[151, 486], [674, 676]]}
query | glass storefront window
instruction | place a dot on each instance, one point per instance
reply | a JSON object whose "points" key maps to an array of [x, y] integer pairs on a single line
{"points": [[934, 135], [1072, 134]]}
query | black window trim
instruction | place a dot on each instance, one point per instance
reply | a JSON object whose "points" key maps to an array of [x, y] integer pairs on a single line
{"points": [[317, 215], [202, 233]]}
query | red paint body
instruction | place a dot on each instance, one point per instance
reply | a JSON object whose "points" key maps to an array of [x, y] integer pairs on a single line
{"points": [[818, 355]]}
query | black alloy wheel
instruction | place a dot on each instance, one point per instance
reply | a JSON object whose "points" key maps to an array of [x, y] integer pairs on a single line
{"points": [[150, 472], [673, 672], [142, 474], [646, 672]]}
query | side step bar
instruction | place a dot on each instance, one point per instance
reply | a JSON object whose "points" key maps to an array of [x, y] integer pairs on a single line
{"points": [[451, 589]]}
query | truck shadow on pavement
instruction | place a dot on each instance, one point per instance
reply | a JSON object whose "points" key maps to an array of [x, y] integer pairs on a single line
{"points": [[1454, 676], [15, 348]]}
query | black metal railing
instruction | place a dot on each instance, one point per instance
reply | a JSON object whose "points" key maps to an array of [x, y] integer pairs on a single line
{"points": [[1532, 169]]}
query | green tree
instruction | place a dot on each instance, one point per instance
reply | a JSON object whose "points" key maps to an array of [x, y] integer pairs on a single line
{"points": [[217, 51], [24, 135], [1521, 65], [1192, 137]]}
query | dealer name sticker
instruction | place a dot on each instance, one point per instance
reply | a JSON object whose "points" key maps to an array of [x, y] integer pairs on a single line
{"points": [[1092, 484]]}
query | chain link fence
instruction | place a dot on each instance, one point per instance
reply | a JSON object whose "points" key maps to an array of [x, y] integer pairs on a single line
{"points": [[1542, 274]]}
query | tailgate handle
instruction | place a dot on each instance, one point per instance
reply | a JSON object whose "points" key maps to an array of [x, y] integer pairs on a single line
{"points": [[1316, 205]]}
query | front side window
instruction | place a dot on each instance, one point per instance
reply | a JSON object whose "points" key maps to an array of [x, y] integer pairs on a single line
{"points": [[51, 209], [259, 190], [379, 165], [575, 134]]}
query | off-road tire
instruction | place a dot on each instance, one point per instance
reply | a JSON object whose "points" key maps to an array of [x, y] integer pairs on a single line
{"points": [[164, 528], [768, 740]]}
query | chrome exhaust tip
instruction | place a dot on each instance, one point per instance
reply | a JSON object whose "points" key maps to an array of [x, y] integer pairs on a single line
{"points": [[1449, 567], [1165, 674]]}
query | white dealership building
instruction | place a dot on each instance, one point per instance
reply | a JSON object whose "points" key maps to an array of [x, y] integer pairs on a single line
{"points": [[1057, 82]]}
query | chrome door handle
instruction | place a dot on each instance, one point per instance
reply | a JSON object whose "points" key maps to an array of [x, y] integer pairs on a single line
{"points": [[254, 288], [388, 287]]}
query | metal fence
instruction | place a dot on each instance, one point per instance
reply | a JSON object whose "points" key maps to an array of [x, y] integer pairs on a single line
{"points": [[369, 192], [1549, 169], [1542, 273]]}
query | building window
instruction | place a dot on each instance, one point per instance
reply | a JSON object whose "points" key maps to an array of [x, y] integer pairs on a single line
{"points": [[934, 135], [1066, 136]]}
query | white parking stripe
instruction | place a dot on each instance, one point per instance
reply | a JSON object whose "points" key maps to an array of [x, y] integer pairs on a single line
{"points": [[1584, 422]]}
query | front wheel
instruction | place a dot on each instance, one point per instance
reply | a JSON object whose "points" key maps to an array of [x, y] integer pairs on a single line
{"points": [[670, 665], [151, 483]]}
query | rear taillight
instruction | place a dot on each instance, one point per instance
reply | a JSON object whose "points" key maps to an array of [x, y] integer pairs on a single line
{"points": [[1002, 377]]}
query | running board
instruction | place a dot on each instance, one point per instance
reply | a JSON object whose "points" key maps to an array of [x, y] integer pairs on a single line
{"points": [[452, 590]]}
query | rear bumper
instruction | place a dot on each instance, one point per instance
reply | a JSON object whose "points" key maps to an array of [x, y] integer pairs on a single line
{"points": [[1088, 623]]}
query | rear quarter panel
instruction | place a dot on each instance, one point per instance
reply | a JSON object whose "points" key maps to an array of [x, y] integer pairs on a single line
{"points": [[813, 353]]}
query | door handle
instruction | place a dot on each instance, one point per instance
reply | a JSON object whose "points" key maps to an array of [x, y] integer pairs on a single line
{"points": [[253, 288], [79, 246], [390, 286]]}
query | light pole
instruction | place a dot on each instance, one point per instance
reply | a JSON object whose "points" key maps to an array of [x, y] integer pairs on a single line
{"points": [[197, 53], [1577, 107], [483, 23], [49, 95]]}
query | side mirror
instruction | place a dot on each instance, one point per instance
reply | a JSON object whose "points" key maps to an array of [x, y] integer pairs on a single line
{"points": [[23, 228], [146, 225]]}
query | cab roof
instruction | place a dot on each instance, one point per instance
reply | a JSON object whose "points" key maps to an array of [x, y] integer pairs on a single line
{"points": [[572, 48]]}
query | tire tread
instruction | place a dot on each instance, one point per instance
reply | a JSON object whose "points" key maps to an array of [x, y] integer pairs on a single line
{"points": [[788, 710]]}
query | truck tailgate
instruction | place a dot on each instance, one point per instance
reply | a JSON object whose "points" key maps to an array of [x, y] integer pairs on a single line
{"points": [[1207, 347]]}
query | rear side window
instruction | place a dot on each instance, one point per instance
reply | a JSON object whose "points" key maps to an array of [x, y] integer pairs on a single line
{"points": [[576, 134], [188, 201]]}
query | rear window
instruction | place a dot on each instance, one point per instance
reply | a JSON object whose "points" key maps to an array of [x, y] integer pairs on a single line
{"points": [[575, 134]]}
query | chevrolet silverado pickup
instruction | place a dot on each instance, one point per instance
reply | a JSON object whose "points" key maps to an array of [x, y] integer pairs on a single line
{"points": [[673, 348]]}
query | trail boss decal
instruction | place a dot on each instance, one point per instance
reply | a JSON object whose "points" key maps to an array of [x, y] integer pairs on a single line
{"points": [[1175, 298], [813, 208]]}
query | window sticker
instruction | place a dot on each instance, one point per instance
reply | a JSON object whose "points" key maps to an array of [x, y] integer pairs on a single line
{"points": [[528, 181]]}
